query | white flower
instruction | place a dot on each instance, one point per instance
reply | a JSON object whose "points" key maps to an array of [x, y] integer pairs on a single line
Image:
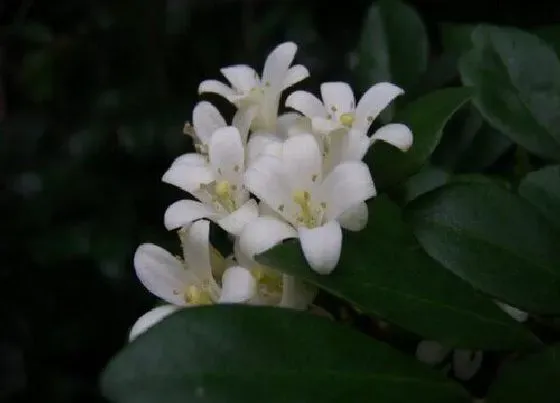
{"points": [[207, 119], [216, 181], [191, 282], [465, 363], [313, 207], [149, 319], [338, 111], [273, 287], [248, 90]]}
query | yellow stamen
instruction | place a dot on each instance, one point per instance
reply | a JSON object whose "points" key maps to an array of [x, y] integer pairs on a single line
{"points": [[224, 195], [347, 119], [269, 280], [303, 199], [197, 296], [223, 189]]}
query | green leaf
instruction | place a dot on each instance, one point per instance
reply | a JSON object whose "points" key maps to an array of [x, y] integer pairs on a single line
{"points": [[428, 178], [494, 240], [487, 146], [531, 379], [457, 137], [384, 272], [393, 45], [426, 117], [516, 80], [222, 354], [551, 35], [542, 189]]}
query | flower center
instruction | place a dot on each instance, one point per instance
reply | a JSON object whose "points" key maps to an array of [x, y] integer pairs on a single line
{"points": [[269, 282], [223, 197], [308, 216], [347, 119], [198, 295]]}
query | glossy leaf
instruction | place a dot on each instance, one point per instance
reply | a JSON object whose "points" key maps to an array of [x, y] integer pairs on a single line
{"points": [[429, 178], [223, 354], [551, 35], [457, 137], [487, 146], [426, 117], [384, 272], [542, 189], [516, 81], [531, 379], [393, 45], [493, 239]]}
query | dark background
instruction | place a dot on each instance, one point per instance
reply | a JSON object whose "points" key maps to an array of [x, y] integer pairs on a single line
{"points": [[93, 98]]}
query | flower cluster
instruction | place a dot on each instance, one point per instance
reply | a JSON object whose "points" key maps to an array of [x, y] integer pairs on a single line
{"points": [[264, 178]]}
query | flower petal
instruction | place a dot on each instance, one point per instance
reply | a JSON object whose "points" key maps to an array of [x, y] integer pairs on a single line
{"points": [[264, 179], [264, 233], [241, 257], [227, 154], [243, 119], [374, 100], [216, 87], [306, 103], [149, 319], [261, 144], [396, 134], [356, 146], [295, 74], [196, 247], [161, 273], [431, 352], [355, 218], [238, 285], [338, 98], [347, 185], [296, 294], [321, 246], [206, 120], [234, 222], [277, 64], [466, 363], [184, 212], [191, 159], [515, 313], [292, 123], [303, 162], [242, 77], [323, 125], [188, 172]]}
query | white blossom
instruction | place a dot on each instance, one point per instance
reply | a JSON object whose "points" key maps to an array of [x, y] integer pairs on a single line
{"points": [[207, 119], [190, 281], [465, 363], [261, 94], [338, 113], [216, 181], [273, 287], [306, 204]]}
